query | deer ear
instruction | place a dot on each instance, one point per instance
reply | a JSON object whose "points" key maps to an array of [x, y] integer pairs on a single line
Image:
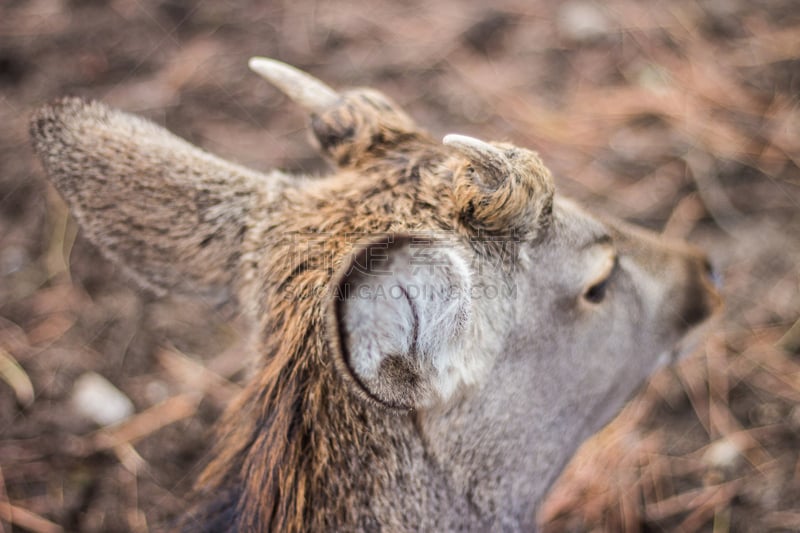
{"points": [[399, 313], [169, 213]]}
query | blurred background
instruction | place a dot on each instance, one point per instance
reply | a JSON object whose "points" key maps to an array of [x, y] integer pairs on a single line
{"points": [[683, 116]]}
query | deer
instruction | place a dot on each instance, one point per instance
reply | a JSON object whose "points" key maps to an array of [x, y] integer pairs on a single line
{"points": [[437, 329]]}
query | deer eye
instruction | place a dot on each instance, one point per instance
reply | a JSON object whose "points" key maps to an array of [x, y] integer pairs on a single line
{"points": [[596, 292]]}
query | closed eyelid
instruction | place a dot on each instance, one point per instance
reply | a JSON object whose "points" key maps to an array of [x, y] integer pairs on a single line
{"points": [[603, 240]]}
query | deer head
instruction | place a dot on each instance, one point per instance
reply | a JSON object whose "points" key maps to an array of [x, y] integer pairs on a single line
{"points": [[439, 329]]}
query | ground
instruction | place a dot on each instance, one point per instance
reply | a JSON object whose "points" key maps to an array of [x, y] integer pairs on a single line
{"points": [[683, 116]]}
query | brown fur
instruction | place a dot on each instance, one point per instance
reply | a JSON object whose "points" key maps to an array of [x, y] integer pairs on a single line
{"points": [[510, 192], [295, 473], [306, 447]]}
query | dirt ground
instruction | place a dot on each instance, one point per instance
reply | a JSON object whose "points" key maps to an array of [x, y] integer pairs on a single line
{"points": [[682, 116]]}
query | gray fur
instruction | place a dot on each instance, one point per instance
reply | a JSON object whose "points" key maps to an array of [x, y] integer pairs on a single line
{"points": [[451, 408]]}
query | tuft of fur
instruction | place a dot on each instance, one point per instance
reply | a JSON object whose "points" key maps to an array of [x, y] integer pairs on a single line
{"points": [[310, 445], [506, 190]]}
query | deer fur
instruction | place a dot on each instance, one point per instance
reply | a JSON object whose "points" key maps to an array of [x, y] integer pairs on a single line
{"points": [[438, 330]]}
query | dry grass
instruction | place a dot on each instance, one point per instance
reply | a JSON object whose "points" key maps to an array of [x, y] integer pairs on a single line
{"points": [[680, 115]]}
